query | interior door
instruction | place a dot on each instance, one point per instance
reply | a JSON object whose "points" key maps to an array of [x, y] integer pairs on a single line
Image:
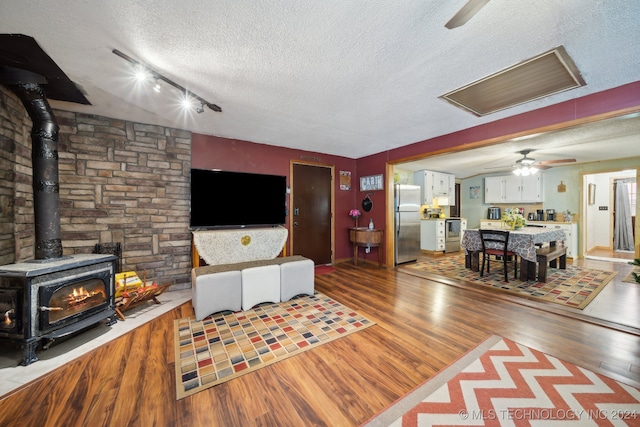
{"points": [[311, 212]]}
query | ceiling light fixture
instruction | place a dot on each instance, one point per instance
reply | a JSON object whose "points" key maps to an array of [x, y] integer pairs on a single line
{"points": [[524, 170], [524, 166], [144, 72]]}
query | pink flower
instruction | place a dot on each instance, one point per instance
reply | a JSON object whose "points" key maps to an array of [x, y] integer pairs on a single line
{"points": [[354, 213]]}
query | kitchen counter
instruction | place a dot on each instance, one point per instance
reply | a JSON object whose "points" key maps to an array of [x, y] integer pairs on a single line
{"points": [[549, 222], [441, 219]]}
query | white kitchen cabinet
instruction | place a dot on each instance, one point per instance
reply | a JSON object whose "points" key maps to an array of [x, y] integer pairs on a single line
{"points": [[494, 189], [531, 188], [571, 231], [442, 186], [513, 189], [435, 184], [490, 223], [463, 227], [432, 235]]}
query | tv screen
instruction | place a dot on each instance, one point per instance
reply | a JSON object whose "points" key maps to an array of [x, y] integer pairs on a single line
{"points": [[236, 199]]}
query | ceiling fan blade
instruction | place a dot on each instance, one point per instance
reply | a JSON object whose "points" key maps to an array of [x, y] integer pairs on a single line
{"points": [[500, 167], [553, 162], [542, 167], [466, 13]]}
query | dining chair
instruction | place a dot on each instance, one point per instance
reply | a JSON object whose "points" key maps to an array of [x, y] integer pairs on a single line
{"points": [[495, 244]]}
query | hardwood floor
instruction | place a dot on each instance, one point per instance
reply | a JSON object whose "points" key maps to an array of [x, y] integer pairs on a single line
{"points": [[617, 304], [422, 326]]}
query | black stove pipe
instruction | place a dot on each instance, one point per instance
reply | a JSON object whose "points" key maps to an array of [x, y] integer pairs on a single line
{"points": [[44, 156]]}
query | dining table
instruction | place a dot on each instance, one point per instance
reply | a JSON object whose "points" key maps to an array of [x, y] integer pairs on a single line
{"points": [[523, 242]]}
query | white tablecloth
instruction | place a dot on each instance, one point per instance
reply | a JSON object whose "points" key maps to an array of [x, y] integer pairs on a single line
{"points": [[239, 245]]}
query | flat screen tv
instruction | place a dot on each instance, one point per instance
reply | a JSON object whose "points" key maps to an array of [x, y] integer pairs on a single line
{"points": [[223, 199]]}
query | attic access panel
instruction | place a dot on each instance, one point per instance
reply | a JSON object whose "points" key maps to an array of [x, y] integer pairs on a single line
{"points": [[546, 74], [19, 52]]}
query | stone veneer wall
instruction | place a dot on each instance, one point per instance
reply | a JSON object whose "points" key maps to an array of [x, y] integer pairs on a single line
{"points": [[17, 234], [119, 182]]}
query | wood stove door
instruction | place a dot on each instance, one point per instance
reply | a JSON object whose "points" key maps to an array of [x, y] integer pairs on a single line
{"points": [[10, 310], [65, 303]]}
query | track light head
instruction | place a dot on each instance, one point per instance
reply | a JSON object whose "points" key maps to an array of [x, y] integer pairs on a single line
{"points": [[144, 73]]}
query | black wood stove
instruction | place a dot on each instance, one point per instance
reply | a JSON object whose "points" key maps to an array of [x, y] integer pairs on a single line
{"points": [[53, 295], [42, 302]]}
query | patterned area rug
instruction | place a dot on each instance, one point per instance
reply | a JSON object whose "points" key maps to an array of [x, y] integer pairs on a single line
{"points": [[501, 382], [574, 287], [227, 345]]}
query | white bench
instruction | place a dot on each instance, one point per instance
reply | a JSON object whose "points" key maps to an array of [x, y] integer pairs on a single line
{"points": [[243, 285]]}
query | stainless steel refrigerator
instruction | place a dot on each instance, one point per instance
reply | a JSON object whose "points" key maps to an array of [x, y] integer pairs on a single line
{"points": [[406, 202]]}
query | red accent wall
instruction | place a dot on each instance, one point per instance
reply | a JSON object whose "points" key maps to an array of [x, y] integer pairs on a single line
{"points": [[235, 155], [212, 152]]}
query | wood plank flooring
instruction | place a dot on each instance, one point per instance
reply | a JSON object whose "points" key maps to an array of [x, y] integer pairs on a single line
{"points": [[422, 326]]}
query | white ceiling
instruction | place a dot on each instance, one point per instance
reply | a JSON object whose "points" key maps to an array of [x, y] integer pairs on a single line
{"points": [[348, 78]]}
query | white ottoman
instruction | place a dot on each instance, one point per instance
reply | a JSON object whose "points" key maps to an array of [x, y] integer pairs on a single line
{"points": [[297, 277], [215, 289], [260, 284]]}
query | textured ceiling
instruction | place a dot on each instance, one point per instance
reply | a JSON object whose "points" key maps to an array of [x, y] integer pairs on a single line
{"points": [[616, 138], [349, 78]]}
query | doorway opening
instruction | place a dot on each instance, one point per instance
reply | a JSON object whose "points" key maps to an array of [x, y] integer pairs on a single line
{"points": [[609, 235]]}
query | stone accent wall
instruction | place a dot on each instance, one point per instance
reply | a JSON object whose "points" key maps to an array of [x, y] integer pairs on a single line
{"points": [[17, 233], [119, 182]]}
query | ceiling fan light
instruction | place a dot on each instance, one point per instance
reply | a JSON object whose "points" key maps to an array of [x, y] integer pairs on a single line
{"points": [[517, 171], [533, 170]]}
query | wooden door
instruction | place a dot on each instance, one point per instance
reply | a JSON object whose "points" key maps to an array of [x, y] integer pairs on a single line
{"points": [[311, 212]]}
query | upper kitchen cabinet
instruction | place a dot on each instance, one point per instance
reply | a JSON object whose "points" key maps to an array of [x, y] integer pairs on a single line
{"points": [[435, 185], [513, 189], [494, 189]]}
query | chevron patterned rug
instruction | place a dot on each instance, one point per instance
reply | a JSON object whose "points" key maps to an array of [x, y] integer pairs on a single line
{"points": [[501, 382]]}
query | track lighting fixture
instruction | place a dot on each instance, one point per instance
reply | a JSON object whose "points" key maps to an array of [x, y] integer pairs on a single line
{"points": [[144, 73]]}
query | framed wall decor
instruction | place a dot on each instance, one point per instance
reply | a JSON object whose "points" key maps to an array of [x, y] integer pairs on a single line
{"points": [[371, 183], [345, 180]]}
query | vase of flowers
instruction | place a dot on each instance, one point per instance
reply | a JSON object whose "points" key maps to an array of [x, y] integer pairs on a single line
{"points": [[513, 219], [355, 214]]}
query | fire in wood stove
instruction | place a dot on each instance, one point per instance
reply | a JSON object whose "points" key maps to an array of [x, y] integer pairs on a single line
{"points": [[73, 299], [8, 309]]}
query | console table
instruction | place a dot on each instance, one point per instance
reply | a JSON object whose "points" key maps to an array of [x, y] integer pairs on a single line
{"points": [[367, 237]]}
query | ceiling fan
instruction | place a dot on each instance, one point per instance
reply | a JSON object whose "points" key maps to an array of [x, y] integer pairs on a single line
{"points": [[529, 166], [466, 13]]}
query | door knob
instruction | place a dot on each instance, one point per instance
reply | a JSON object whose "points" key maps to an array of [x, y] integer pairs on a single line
{"points": [[295, 224]]}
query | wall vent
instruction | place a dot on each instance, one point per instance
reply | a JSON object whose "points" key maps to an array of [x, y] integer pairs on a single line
{"points": [[546, 74]]}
